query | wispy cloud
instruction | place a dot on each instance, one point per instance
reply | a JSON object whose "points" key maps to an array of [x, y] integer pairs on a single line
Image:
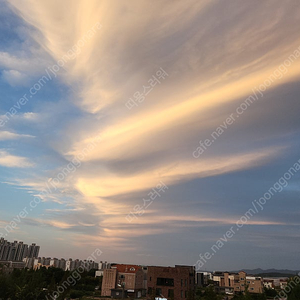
{"points": [[13, 161], [15, 78], [7, 135], [215, 53]]}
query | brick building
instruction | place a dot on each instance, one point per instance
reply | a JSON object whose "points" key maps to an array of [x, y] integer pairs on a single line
{"points": [[109, 281], [176, 283], [231, 283], [122, 280]]}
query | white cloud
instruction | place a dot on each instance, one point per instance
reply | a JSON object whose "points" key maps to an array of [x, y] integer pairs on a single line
{"points": [[30, 64], [208, 70], [31, 116], [15, 78], [21, 118], [12, 161], [109, 185], [7, 135]]}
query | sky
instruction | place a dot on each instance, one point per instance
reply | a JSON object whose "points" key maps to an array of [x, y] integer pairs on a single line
{"points": [[151, 130]]}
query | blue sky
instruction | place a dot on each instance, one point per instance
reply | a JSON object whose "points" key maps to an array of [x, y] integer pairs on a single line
{"points": [[89, 160]]}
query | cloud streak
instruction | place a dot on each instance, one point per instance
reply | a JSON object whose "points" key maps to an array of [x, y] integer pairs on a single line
{"points": [[215, 53], [7, 135], [12, 161]]}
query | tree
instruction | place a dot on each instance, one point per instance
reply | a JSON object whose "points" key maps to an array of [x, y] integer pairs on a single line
{"points": [[294, 293], [190, 295], [210, 293], [270, 292], [4, 287]]}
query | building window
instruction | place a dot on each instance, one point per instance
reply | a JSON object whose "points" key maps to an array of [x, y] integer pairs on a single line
{"points": [[251, 289], [150, 291], [170, 293], [181, 294], [185, 294], [248, 281], [165, 281], [150, 278], [185, 282], [158, 292]]}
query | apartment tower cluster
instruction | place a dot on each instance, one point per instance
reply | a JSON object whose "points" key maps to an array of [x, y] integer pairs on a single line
{"points": [[17, 251], [66, 265]]}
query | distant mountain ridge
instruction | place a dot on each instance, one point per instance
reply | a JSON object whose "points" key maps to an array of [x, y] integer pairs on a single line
{"points": [[269, 271]]}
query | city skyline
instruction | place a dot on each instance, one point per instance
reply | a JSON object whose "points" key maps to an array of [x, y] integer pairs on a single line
{"points": [[160, 133]]}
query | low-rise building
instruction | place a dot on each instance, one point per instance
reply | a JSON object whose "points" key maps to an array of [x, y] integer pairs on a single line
{"points": [[176, 283], [9, 266], [122, 280], [203, 278], [109, 281], [231, 283], [283, 283], [269, 283]]}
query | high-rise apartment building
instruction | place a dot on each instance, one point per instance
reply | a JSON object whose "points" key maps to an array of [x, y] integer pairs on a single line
{"points": [[17, 251], [33, 251]]}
